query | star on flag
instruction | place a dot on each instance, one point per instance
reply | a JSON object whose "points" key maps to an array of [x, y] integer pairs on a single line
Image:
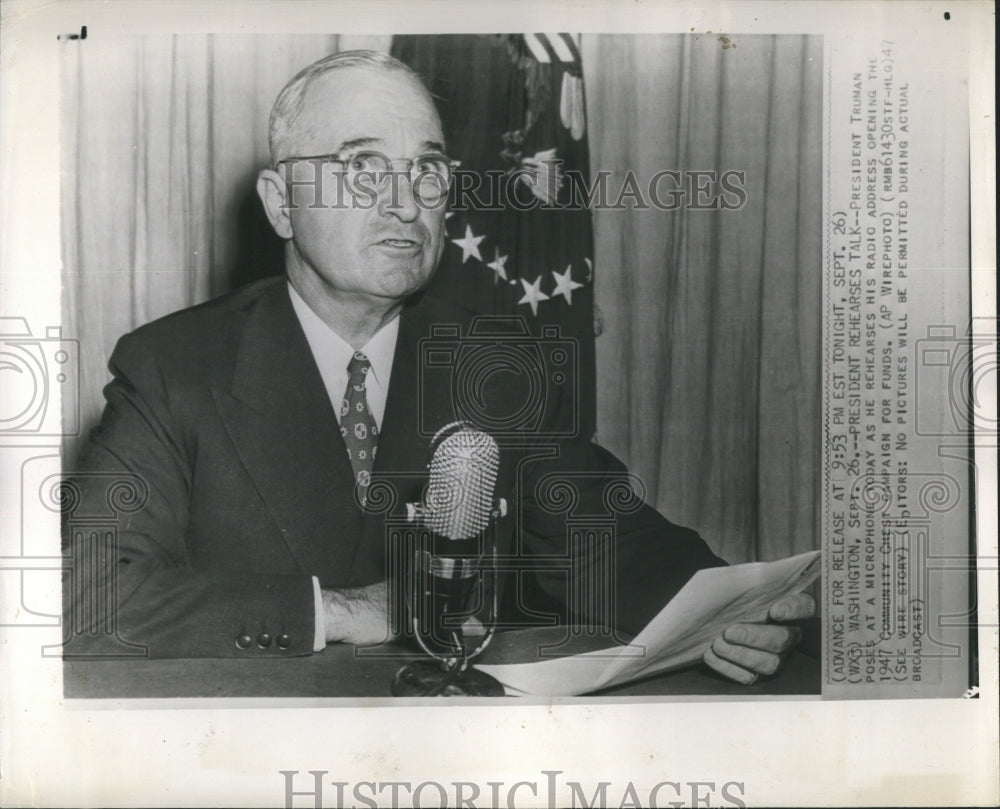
{"points": [[498, 264], [565, 284], [533, 294], [469, 244]]}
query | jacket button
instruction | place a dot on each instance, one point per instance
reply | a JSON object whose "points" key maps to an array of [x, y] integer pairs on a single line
{"points": [[284, 641], [263, 640], [243, 641]]}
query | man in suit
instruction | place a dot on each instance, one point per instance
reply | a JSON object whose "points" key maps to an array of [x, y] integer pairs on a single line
{"points": [[255, 427]]}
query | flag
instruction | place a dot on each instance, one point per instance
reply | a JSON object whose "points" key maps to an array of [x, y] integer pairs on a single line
{"points": [[512, 109]]}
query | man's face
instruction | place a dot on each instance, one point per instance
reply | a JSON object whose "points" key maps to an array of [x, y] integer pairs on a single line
{"points": [[385, 250]]}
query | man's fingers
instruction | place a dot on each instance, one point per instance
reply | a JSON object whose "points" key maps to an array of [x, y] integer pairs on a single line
{"points": [[727, 669], [744, 651], [793, 608], [765, 637], [754, 660]]}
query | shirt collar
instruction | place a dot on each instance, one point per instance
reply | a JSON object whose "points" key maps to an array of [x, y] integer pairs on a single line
{"points": [[380, 349]]}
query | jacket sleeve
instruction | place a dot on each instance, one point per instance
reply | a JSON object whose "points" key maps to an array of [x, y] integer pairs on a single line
{"points": [[612, 559], [130, 588]]}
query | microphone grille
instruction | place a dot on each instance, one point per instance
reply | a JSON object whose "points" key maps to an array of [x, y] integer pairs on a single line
{"points": [[462, 479]]}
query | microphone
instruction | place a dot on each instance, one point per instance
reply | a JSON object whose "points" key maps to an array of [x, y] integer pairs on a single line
{"points": [[455, 574], [458, 507], [463, 475]]}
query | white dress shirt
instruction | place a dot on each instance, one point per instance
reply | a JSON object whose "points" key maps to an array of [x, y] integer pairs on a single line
{"points": [[332, 355]]}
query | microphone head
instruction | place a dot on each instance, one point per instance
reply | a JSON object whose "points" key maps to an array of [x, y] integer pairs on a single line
{"points": [[462, 479]]}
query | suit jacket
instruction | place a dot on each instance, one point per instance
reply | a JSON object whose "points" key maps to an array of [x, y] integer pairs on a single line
{"points": [[218, 419]]}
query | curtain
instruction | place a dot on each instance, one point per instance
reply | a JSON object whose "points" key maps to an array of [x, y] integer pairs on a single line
{"points": [[708, 367], [162, 138], [709, 363]]}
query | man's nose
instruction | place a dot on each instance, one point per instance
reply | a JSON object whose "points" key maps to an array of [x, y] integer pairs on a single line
{"points": [[398, 198]]}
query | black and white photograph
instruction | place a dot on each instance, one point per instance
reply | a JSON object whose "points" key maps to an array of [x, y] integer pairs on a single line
{"points": [[264, 487], [530, 383]]}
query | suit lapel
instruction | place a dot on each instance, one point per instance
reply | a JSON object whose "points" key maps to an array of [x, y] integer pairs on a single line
{"points": [[412, 415], [409, 412], [280, 419]]}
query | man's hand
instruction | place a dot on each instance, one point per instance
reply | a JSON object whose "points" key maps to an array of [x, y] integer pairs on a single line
{"points": [[357, 615], [743, 652]]}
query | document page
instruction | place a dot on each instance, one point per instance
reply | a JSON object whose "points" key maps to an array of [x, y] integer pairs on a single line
{"points": [[679, 634]]}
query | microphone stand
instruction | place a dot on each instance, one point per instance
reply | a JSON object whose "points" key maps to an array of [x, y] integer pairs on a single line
{"points": [[450, 579]]}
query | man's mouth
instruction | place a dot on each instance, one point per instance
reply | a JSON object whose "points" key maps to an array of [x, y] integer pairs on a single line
{"points": [[400, 243]]}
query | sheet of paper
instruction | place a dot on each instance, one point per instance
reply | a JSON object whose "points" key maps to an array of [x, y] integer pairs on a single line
{"points": [[559, 677], [677, 636]]}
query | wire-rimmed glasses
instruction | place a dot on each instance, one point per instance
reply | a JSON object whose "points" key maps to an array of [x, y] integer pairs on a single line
{"points": [[370, 171]]}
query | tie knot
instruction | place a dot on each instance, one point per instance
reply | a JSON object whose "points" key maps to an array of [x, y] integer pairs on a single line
{"points": [[358, 367]]}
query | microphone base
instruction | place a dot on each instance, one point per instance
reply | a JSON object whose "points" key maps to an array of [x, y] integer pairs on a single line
{"points": [[427, 679]]}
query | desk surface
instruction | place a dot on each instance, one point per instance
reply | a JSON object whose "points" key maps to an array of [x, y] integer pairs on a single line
{"points": [[344, 671]]}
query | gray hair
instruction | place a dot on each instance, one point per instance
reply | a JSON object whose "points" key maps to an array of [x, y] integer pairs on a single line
{"points": [[288, 105]]}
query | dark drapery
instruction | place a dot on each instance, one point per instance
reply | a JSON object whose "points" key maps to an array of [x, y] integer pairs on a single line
{"points": [[512, 107]]}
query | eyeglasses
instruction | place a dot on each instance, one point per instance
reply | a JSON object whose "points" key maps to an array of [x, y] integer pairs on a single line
{"points": [[430, 174]]}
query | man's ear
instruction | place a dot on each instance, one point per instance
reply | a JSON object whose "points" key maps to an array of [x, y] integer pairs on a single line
{"points": [[272, 192]]}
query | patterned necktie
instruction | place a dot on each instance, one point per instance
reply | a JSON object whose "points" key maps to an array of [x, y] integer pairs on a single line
{"points": [[357, 425]]}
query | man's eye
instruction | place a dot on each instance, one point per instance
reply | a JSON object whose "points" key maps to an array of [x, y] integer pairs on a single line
{"points": [[431, 165], [364, 162]]}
